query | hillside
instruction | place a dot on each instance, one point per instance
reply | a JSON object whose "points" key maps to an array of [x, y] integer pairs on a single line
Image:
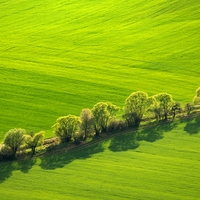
{"points": [[164, 165], [57, 57]]}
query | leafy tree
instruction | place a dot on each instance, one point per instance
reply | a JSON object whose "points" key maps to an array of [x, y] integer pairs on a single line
{"points": [[117, 124], [135, 106], [5, 152], [164, 104], [33, 140], [87, 122], [196, 99], [155, 107], [14, 139], [188, 108], [103, 113], [66, 127], [175, 108]]}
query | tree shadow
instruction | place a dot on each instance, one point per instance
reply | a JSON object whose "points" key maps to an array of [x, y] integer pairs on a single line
{"points": [[89, 151], [124, 142], [7, 167], [26, 165], [59, 160], [193, 126], [51, 162], [155, 131], [186, 119]]}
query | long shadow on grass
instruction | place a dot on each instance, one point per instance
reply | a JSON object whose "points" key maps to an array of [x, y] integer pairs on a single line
{"points": [[193, 126], [155, 131], [124, 142], [7, 168], [25, 165], [54, 161]]}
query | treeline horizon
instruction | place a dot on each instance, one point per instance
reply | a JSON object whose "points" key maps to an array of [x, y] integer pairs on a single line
{"points": [[100, 119]]}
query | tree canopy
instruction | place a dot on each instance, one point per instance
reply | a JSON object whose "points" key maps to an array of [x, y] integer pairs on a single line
{"points": [[33, 140], [196, 99], [14, 138], [163, 104], [135, 106], [87, 122], [66, 127], [103, 113]]}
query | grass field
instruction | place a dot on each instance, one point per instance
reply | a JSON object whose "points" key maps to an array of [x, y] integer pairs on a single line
{"points": [[57, 57], [164, 164]]}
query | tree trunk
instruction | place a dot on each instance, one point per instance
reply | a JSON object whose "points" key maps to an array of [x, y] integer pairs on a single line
{"points": [[137, 121], [174, 115], [165, 115], [104, 129], [33, 150], [14, 151]]}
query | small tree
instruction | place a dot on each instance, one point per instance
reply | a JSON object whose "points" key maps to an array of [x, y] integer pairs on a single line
{"points": [[135, 107], [66, 127], [87, 122], [188, 108], [34, 140], [164, 104], [14, 139], [196, 99], [175, 108], [5, 152], [156, 109], [103, 113]]}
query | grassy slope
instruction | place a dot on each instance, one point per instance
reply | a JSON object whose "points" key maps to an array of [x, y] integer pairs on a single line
{"points": [[57, 57], [168, 168]]}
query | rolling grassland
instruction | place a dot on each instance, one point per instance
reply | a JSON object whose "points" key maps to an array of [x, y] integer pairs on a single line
{"points": [[164, 164], [57, 57]]}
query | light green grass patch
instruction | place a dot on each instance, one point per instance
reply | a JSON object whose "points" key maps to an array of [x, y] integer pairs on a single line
{"points": [[59, 57]]}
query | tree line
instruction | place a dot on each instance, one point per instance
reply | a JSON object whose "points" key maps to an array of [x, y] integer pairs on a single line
{"points": [[100, 119]]}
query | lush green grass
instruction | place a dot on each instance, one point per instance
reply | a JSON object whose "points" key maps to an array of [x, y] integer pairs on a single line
{"points": [[57, 57], [164, 165]]}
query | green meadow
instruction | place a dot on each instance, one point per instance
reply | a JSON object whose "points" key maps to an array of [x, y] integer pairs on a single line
{"points": [[58, 57], [163, 164]]}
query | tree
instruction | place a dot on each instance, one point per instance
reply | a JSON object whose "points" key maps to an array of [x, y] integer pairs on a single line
{"points": [[14, 139], [164, 104], [87, 122], [103, 113], [175, 108], [155, 107], [5, 152], [135, 106], [196, 99], [66, 127], [188, 108], [33, 140]]}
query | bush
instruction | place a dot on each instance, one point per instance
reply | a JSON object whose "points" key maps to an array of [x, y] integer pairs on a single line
{"points": [[117, 125], [77, 137], [6, 152]]}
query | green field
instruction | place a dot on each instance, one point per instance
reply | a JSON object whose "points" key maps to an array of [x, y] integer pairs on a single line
{"points": [[164, 165], [57, 57]]}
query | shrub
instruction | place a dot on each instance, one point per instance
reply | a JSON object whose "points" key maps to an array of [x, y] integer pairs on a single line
{"points": [[116, 125], [6, 152]]}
